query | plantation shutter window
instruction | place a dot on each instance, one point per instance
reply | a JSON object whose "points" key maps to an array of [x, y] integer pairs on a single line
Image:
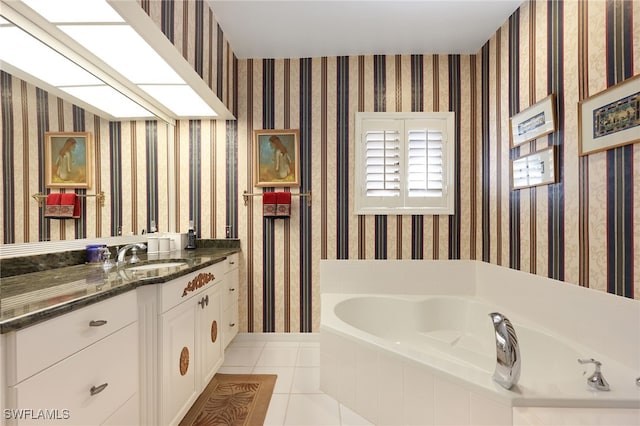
{"points": [[425, 163], [382, 153], [404, 163]]}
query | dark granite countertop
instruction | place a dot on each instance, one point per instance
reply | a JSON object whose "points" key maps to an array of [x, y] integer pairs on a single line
{"points": [[30, 298]]}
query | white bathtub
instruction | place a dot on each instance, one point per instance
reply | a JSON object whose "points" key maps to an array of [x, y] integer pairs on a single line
{"points": [[429, 359]]}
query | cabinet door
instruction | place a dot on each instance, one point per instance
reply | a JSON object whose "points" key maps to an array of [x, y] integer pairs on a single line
{"points": [[179, 387], [210, 333]]}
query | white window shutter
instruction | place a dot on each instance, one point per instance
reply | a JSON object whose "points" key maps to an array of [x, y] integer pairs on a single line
{"points": [[425, 162], [427, 171], [380, 183], [382, 163], [404, 163]]}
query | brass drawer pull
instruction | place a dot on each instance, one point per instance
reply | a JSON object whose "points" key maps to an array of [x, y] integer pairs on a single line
{"points": [[97, 323], [232, 289], [233, 324], [97, 389]]}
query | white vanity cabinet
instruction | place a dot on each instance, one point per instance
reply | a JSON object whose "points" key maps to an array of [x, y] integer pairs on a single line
{"points": [[188, 339], [80, 368], [230, 299]]}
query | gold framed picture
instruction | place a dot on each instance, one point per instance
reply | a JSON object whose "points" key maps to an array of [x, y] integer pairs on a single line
{"points": [[536, 121], [67, 159], [277, 158], [610, 118]]}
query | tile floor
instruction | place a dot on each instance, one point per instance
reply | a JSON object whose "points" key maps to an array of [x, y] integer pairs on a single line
{"points": [[295, 358]]}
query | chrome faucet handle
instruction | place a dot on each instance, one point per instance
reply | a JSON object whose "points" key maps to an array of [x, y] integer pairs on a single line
{"points": [[134, 255], [596, 380], [106, 259]]}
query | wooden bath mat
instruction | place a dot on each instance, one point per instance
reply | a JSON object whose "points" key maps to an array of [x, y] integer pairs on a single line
{"points": [[232, 399]]}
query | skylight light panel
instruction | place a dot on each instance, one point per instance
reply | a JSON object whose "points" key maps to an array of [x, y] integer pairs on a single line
{"points": [[125, 51], [42, 62], [109, 100], [182, 100], [74, 10]]}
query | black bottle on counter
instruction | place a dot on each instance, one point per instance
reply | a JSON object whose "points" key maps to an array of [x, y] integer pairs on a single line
{"points": [[191, 238]]}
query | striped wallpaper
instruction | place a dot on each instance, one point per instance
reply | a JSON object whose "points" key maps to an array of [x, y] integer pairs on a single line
{"points": [[583, 230], [133, 159]]}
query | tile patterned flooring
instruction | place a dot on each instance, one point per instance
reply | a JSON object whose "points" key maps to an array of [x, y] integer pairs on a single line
{"points": [[295, 358]]}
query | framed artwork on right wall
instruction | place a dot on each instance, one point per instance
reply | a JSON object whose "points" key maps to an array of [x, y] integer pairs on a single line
{"points": [[536, 121], [610, 118]]}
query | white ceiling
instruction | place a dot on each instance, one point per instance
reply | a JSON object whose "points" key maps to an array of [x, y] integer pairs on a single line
{"points": [[314, 28]]}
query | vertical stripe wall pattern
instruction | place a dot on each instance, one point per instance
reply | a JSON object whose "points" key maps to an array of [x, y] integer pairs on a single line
{"points": [[514, 104], [521, 64], [555, 85], [342, 158], [268, 225], [620, 166], [8, 139], [125, 163], [152, 174], [205, 150], [417, 105], [131, 156], [530, 56]]}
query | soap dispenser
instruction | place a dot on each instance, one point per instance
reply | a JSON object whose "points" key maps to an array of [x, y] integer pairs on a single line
{"points": [[191, 237]]}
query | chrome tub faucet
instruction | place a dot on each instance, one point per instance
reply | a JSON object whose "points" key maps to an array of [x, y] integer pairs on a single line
{"points": [[507, 371], [596, 380]]}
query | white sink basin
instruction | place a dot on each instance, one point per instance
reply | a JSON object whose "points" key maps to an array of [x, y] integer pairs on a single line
{"points": [[159, 265]]}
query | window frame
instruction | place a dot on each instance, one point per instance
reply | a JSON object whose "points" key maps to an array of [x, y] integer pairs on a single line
{"points": [[403, 204]]}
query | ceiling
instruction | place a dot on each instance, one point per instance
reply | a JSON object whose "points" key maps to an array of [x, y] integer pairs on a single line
{"points": [[315, 28]]}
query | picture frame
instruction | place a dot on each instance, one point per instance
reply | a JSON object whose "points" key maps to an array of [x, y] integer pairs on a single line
{"points": [[277, 158], [534, 122], [535, 169], [610, 118], [68, 159]]}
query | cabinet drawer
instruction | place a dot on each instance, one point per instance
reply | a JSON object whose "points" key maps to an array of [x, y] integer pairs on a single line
{"points": [[230, 290], [230, 324], [231, 261], [65, 335], [181, 289], [127, 415], [68, 385]]}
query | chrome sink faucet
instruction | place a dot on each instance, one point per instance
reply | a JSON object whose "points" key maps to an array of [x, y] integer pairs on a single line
{"points": [[507, 371], [134, 256]]}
